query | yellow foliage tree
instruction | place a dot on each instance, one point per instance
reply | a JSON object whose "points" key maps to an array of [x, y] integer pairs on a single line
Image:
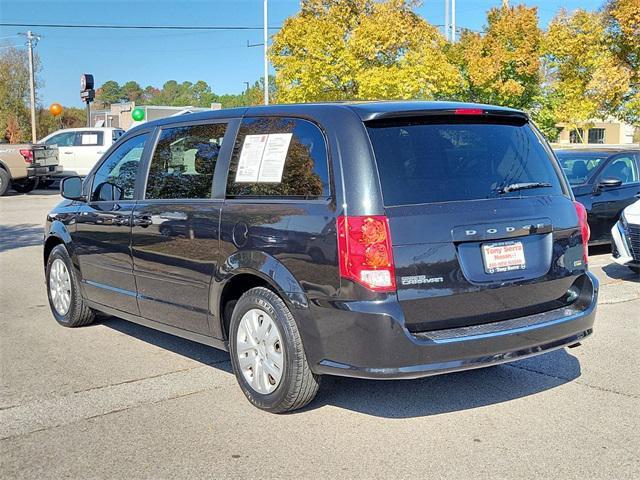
{"points": [[623, 26], [585, 78], [360, 49], [501, 65]]}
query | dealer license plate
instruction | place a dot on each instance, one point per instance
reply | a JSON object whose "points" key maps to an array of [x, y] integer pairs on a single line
{"points": [[503, 256]]}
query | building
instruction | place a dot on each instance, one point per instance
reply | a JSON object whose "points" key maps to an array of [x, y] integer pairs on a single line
{"points": [[609, 132], [119, 114]]}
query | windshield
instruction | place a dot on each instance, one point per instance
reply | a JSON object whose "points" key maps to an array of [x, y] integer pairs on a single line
{"points": [[460, 159], [579, 166]]}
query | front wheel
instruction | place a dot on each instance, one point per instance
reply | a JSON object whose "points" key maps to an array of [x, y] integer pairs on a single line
{"points": [[267, 353], [25, 186], [66, 302], [5, 181]]}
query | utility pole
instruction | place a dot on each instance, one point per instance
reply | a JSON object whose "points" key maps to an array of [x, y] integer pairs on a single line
{"points": [[32, 40], [265, 32]]}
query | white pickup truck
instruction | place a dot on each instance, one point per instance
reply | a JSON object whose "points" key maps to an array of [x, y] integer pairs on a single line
{"points": [[80, 148]]}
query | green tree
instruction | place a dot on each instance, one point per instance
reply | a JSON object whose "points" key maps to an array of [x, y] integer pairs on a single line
{"points": [[501, 65], [360, 49], [15, 119], [110, 92], [132, 91]]}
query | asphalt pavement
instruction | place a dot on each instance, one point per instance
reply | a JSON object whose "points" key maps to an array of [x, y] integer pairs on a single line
{"points": [[118, 400]]}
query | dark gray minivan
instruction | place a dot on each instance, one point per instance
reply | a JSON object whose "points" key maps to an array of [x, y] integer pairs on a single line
{"points": [[375, 240]]}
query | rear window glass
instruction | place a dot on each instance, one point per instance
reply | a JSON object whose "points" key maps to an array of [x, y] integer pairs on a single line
{"points": [[579, 167], [444, 160]]}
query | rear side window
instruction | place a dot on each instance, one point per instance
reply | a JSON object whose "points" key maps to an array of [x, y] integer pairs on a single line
{"points": [[454, 159], [89, 139], [184, 160], [279, 157]]}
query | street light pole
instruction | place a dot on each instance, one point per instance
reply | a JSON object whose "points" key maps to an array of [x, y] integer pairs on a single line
{"points": [[453, 21], [446, 19], [266, 56], [31, 41]]}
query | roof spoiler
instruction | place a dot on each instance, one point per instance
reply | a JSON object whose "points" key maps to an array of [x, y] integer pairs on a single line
{"points": [[483, 112]]}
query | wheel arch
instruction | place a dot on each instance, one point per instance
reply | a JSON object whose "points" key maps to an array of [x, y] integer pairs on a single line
{"points": [[58, 235], [246, 270], [5, 168]]}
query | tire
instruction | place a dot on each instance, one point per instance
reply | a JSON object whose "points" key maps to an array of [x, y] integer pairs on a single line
{"points": [[77, 314], [635, 269], [44, 184], [297, 385], [25, 186], [5, 181]]}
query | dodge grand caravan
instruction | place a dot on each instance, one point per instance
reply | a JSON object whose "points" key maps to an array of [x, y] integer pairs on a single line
{"points": [[373, 240]]}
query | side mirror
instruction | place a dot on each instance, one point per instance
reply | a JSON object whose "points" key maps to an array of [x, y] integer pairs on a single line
{"points": [[610, 182], [71, 188]]}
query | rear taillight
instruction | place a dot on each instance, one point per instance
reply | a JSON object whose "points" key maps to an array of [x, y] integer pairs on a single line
{"points": [[584, 229], [364, 248], [27, 155]]}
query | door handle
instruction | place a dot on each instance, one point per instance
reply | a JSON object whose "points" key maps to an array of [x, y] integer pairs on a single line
{"points": [[142, 221], [67, 153]]}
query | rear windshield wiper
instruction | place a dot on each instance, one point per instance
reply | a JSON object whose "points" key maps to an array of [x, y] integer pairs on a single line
{"points": [[523, 186]]}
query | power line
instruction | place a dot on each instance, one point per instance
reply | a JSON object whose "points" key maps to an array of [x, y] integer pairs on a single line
{"points": [[136, 27]]}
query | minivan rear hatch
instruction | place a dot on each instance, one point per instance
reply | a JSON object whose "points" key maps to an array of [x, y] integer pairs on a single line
{"points": [[482, 224]]}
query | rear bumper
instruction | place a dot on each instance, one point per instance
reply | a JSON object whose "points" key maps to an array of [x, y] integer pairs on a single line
{"points": [[43, 170], [368, 340]]}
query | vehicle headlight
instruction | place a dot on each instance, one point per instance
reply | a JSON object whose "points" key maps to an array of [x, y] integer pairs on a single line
{"points": [[623, 220]]}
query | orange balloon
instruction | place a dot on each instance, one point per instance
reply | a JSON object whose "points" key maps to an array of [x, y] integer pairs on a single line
{"points": [[55, 109]]}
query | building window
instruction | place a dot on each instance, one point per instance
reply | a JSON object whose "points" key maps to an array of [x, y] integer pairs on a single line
{"points": [[596, 135], [576, 136]]}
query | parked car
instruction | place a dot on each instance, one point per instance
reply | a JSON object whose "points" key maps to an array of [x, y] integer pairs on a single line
{"points": [[449, 240], [81, 148], [625, 234], [605, 181], [23, 165]]}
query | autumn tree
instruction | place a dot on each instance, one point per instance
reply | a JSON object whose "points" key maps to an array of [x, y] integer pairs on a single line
{"points": [[360, 49], [15, 118], [71, 117], [501, 64], [585, 79], [622, 20]]}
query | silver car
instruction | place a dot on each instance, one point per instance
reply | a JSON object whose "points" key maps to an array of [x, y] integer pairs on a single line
{"points": [[625, 234]]}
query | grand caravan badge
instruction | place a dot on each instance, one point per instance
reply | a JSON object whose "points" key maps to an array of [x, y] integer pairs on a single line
{"points": [[420, 280]]}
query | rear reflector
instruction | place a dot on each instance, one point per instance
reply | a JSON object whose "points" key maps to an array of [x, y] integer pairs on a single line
{"points": [[364, 247], [469, 111], [584, 230], [27, 155]]}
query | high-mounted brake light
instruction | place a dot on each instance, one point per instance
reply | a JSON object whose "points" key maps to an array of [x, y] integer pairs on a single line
{"points": [[468, 111], [585, 231], [364, 249], [27, 155]]}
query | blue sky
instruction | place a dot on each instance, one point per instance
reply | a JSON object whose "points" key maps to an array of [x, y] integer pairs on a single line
{"points": [[222, 59]]}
